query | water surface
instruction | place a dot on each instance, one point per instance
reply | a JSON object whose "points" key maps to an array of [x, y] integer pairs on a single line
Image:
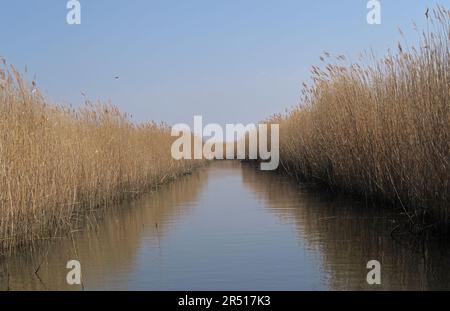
{"points": [[230, 227]]}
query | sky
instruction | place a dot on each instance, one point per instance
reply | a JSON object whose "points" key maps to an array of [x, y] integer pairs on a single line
{"points": [[231, 61]]}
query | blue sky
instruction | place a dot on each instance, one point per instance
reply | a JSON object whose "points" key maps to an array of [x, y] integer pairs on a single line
{"points": [[230, 61]]}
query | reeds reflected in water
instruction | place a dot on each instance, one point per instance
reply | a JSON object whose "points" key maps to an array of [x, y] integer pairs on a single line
{"points": [[347, 234]]}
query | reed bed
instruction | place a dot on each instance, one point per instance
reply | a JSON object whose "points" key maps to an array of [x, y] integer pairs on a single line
{"points": [[57, 162], [379, 128]]}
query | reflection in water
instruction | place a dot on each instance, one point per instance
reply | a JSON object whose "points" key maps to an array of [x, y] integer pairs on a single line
{"points": [[107, 248], [348, 234], [231, 227]]}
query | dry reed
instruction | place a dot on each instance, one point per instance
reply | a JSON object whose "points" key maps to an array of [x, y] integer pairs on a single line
{"points": [[380, 129], [56, 162]]}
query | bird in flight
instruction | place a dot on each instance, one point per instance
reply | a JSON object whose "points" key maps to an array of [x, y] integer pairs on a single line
{"points": [[34, 90], [116, 77], [426, 13]]}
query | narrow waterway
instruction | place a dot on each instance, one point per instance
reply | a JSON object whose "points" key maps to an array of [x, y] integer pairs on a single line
{"points": [[229, 226]]}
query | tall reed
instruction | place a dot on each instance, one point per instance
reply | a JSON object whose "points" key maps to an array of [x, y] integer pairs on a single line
{"points": [[56, 162], [379, 128]]}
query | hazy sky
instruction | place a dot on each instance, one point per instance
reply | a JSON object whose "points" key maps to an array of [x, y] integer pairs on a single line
{"points": [[228, 60]]}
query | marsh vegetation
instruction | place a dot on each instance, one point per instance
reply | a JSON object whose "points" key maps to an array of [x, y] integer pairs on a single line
{"points": [[57, 162], [379, 128]]}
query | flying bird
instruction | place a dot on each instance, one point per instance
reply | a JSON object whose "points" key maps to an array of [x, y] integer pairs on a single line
{"points": [[426, 13], [34, 90], [116, 77]]}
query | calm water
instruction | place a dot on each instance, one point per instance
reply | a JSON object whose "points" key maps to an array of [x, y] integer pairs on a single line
{"points": [[231, 227]]}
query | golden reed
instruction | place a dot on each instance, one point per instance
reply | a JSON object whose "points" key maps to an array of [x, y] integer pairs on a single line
{"points": [[56, 162], [379, 129]]}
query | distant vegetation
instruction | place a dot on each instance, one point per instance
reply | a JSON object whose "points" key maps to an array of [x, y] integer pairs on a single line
{"points": [[56, 162], [379, 128]]}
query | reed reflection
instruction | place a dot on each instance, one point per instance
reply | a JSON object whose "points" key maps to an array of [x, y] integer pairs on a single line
{"points": [[347, 234], [108, 244]]}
